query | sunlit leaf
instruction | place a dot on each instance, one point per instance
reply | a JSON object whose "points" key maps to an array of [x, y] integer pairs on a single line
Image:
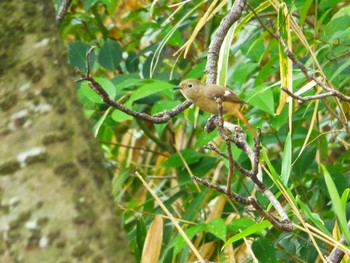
{"points": [[255, 229]]}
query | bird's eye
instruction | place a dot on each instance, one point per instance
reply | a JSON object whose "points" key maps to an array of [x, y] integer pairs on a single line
{"points": [[190, 85]]}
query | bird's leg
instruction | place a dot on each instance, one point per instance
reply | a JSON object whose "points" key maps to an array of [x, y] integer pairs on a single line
{"points": [[221, 118]]}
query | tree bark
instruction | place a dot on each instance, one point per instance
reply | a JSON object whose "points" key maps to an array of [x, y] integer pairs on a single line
{"points": [[56, 204]]}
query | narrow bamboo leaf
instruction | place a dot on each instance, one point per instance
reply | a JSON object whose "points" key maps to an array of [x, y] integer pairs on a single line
{"points": [[286, 66], [179, 243], [287, 159], [337, 204], [194, 207], [189, 155], [224, 56], [249, 231], [315, 218], [99, 123], [344, 198]]}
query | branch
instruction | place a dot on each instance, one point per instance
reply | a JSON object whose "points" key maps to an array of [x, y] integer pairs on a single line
{"points": [[158, 118], [62, 13], [233, 133], [336, 255], [215, 45], [301, 100], [308, 73]]}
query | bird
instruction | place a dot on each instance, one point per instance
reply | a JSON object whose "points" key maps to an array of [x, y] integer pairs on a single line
{"points": [[204, 96]]}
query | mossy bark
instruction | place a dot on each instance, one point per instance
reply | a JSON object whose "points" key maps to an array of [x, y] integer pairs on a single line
{"points": [[55, 196]]}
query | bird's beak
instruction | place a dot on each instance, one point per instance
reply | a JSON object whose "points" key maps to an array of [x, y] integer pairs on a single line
{"points": [[176, 88]]}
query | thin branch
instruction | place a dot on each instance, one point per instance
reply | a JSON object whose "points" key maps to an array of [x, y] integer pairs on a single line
{"points": [[64, 9], [284, 225], [162, 117], [337, 255], [301, 100], [308, 73], [235, 134]]}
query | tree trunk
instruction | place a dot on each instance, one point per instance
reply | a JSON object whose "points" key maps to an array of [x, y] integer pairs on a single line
{"points": [[55, 196]]}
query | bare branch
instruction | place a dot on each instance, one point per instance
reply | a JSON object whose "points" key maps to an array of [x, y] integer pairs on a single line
{"points": [[301, 100], [62, 13], [337, 255], [284, 225], [161, 117], [308, 73]]}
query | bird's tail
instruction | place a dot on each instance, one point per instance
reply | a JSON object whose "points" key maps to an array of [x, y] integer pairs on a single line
{"points": [[238, 114]]}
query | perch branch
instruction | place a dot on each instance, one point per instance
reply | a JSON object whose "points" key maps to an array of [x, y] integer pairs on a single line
{"points": [[158, 118], [231, 133]]}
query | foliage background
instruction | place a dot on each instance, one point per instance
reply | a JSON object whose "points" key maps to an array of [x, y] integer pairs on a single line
{"points": [[305, 146]]}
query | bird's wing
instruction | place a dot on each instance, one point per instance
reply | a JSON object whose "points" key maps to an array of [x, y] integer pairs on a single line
{"points": [[225, 94]]}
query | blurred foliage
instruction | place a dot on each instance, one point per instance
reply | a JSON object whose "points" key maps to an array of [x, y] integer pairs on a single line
{"points": [[134, 61]]}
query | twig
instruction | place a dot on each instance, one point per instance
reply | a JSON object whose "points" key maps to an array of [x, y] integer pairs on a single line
{"points": [[233, 133], [301, 100], [161, 117], [336, 254], [62, 13], [308, 73], [284, 225]]}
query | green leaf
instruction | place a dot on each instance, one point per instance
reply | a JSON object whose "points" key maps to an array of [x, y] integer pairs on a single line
{"points": [[88, 4], [337, 204], [150, 89], [179, 243], [339, 26], [305, 160], [99, 123], [218, 228], [160, 106], [119, 116], [175, 39], [110, 55], [314, 217], [196, 71], [264, 250], [344, 198], [254, 229], [205, 138], [141, 232], [77, 54], [189, 155], [278, 121], [132, 62], [91, 95], [287, 159], [242, 72], [262, 98], [195, 206], [240, 224]]}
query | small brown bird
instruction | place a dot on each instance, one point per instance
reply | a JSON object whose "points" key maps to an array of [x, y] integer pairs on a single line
{"points": [[204, 96]]}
